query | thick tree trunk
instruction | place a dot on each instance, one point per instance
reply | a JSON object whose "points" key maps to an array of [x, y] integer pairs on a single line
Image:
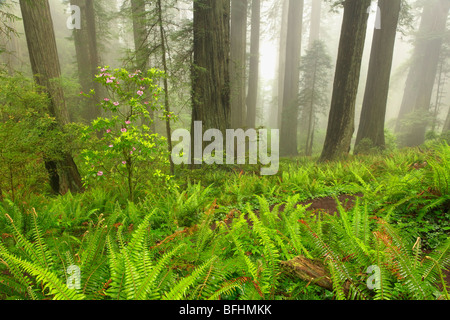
{"points": [[210, 70], [289, 116], [341, 121], [238, 43], [45, 66], [422, 74], [253, 82], [373, 112], [87, 57]]}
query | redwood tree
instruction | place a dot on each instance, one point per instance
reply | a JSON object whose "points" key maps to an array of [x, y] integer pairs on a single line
{"points": [[341, 121], [38, 25], [289, 114], [210, 69], [373, 112], [253, 81], [238, 43], [87, 56]]}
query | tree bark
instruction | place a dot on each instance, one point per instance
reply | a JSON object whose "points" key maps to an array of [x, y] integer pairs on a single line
{"points": [[210, 70], [253, 82], [289, 116], [238, 43], [87, 57], [373, 112], [37, 20], [422, 74], [341, 120]]}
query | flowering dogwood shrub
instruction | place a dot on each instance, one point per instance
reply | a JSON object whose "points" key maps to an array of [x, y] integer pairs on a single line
{"points": [[125, 145]]}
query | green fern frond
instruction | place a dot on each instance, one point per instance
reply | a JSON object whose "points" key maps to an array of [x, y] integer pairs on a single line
{"points": [[178, 292], [56, 288]]}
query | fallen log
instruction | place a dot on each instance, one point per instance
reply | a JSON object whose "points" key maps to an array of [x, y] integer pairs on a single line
{"points": [[311, 270]]}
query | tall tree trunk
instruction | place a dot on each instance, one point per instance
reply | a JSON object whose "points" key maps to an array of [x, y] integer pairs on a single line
{"points": [[37, 20], [140, 36], [316, 12], [87, 57], [210, 70], [422, 74], [253, 81], [308, 113], [289, 116], [166, 84], [238, 43], [282, 59], [373, 112], [341, 121]]}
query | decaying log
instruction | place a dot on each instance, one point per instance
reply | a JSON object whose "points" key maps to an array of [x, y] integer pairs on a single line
{"points": [[312, 271], [308, 270]]}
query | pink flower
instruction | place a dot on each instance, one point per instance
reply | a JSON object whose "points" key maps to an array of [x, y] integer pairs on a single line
{"points": [[134, 149], [100, 173], [124, 162], [102, 69], [111, 146], [116, 103], [128, 122], [106, 99], [108, 131], [142, 88], [131, 152], [123, 130], [146, 102], [140, 93], [109, 81]]}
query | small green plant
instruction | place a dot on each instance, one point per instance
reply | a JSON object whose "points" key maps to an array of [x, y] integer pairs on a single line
{"points": [[125, 147]]}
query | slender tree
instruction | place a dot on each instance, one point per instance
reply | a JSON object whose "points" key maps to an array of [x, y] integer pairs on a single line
{"points": [[341, 121], [253, 80], [37, 20], [141, 41], [166, 83], [289, 116], [282, 60], [373, 112], [315, 68], [238, 43]]}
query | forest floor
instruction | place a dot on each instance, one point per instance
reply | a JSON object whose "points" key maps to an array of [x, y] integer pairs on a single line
{"points": [[240, 217]]}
